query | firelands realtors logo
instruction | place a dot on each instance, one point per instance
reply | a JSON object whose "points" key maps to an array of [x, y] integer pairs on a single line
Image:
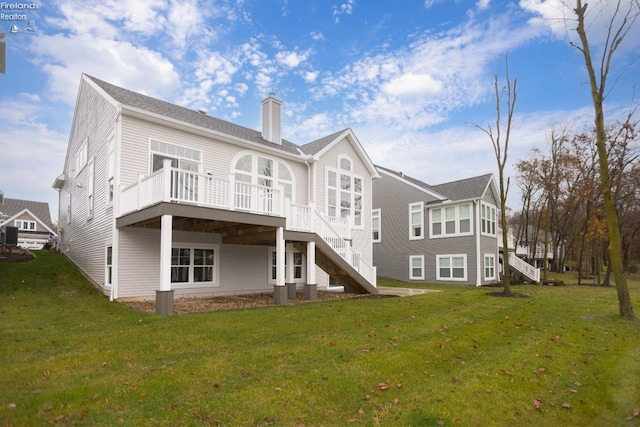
{"points": [[16, 16]]}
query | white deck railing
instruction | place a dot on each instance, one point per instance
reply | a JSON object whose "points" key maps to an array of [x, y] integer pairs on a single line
{"points": [[180, 186], [525, 268], [334, 231]]}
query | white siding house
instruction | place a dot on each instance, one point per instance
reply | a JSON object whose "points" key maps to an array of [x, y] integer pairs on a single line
{"points": [[157, 200]]}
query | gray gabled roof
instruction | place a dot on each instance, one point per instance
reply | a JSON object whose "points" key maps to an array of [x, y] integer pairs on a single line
{"points": [[469, 188], [136, 100], [12, 207], [316, 146], [464, 189]]}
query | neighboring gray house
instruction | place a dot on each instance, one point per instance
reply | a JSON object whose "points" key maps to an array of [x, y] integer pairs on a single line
{"points": [[156, 198], [32, 219], [446, 233]]}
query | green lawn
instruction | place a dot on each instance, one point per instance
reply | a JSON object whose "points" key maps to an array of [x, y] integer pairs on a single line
{"points": [[459, 357]]}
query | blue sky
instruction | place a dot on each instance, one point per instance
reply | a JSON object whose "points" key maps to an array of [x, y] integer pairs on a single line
{"points": [[409, 77]]}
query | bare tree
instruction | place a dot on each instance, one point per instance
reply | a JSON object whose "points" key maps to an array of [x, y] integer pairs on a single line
{"points": [[500, 149], [618, 27]]}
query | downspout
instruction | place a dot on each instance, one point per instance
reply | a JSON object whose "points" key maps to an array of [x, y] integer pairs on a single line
{"points": [[115, 232], [479, 258]]}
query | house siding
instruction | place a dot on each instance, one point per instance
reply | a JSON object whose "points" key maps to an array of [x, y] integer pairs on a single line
{"points": [[83, 239], [217, 155], [392, 254]]}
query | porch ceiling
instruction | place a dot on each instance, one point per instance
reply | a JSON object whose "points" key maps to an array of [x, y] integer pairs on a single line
{"points": [[234, 227]]}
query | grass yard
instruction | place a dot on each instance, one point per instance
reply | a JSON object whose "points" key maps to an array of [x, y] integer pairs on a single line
{"points": [[459, 357]]}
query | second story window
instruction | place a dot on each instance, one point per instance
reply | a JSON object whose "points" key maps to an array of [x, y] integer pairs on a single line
{"points": [[81, 157], [345, 193], [451, 221], [488, 219], [416, 221]]}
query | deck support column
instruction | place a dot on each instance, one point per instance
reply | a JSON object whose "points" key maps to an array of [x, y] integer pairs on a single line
{"points": [[311, 287], [280, 290], [289, 279], [164, 296]]}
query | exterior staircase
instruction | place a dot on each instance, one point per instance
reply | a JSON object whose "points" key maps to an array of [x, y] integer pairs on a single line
{"points": [[519, 266]]}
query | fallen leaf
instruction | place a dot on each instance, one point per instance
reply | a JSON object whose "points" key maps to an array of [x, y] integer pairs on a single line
{"points": [[440, 422], [396, 401], [506, 372], [278, 389], [636, 412], [573, 390], [537, 403], [11, 406], [216, 385], [361, 411], [566, 405], [399, 385], [456, 378], [578, 384], [383, 386], [542, 369]]}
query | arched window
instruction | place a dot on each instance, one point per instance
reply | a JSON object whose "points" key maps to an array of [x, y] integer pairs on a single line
{"points": [[256, 169]]}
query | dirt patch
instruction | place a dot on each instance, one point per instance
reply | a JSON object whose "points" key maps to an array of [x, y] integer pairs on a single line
{"points": [[511, 295], [15, 254], [200, 305]]}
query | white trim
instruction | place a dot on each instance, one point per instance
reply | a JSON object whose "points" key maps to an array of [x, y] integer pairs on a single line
{"points": [[451, 278], [338, 192], [422, 267], [443, 221], [420, 211], [376, 214], [35, 218], [19, 223], [289, 267], [484, 266], [91, 197], [491, 209], [191, 283], [431, 193]]}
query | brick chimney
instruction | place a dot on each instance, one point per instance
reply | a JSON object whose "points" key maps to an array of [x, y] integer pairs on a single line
{"points": [[271, 119]]}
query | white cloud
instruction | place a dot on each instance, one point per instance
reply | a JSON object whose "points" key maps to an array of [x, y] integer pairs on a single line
{"points": [[343, 9], [291, 59], [483, 4], [311, 76], [559, 18], [64, 59], [32, 152], [411, 84]]}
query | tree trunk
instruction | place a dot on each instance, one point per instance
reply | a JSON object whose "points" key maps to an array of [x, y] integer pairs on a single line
{"points": [[597, 94]]}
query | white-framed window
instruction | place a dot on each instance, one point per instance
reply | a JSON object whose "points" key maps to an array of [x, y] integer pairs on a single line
{"points": [[489, 267], [81, 156], [194, 266], [24, 225], [345, 192], [108, 271], [69, 208], [90, 198], [451, 221], [488, 215], [416, 267], [416, 221], [111, 164], [265, 172], [298, 266], [184, 183], [376, 225], [451, 267]]}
